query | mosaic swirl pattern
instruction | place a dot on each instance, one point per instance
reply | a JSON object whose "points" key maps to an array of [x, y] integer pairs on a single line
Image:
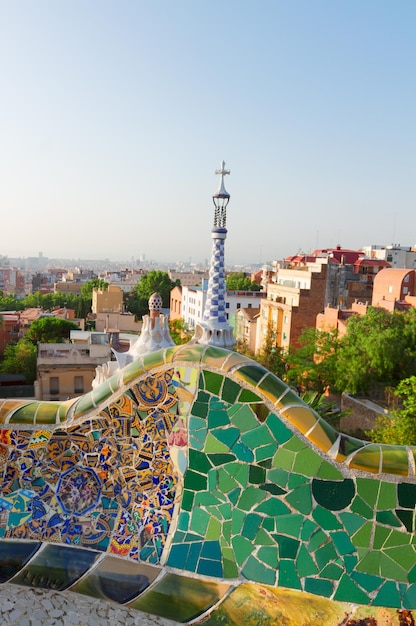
{"points": [[195, 474]]}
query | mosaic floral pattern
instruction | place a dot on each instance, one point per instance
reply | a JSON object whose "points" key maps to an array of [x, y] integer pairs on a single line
{"points": [[194, 475]]}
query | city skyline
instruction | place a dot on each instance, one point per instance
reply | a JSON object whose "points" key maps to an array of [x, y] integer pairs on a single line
{"points": [[115, 118]]}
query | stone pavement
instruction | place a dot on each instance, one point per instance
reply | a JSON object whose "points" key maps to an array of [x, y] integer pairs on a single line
{"points": [[24, 606]]}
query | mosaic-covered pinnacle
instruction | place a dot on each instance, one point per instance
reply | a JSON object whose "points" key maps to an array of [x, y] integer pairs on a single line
{"points": [[221, 199]]}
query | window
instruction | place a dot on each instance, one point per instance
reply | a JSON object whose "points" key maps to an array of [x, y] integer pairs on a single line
{"points": [[249, 305], [54, 385], [78, 384], [238, 305], [227, 305]]}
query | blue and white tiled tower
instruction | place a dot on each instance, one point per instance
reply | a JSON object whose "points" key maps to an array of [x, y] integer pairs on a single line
{"points": [[214, 328]]}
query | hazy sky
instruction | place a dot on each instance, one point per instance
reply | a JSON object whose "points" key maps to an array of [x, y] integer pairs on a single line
{"points": [[115, 114]]}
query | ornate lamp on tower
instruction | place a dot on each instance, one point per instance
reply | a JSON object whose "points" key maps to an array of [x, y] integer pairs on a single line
{"points": [[214, 328]]}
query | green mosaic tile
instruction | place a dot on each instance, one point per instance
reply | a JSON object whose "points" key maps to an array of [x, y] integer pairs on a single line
{"points": [[342, 543], [242, 452], [359, 506], [318, 539], [351, 522], [204, 498], [284, 459], [179, 598], [406, 494], [295, 444], [323, 435], [388, 595], [246, 395], [239, 471], [302, 417], [230, 391], [259, 436], [230, 568], [213, 382], [101, 393], [212, 445], [301, 499], [63, 409], [183, 521], [387, 498], [290, 524], [397, 539], [363, 536], [319, 587], [326, 519], [332, 571], [255, 570], [218, 418], [380, 535], [391, 569], [234, 495], [199, 461], [193, 353], [84, 405], [333, 495], [275, 490], [326, 470], [251, 525], [289, 398], [220, 459], [154, 359], [388, 518], [368, 489], [272, 387], [369, 563], [348, 445], [403, 555], [132, 371], [278, 476], [394, 460], [251, 374], [25, 414], [263, 538], [242, 548], [195, 481], [269, 556], [325, 554], [200, 409], [348, 591], [251, 497], [280, 432], [244, 419], [272, 506], [47, 413], [257, 475], [265, 452], [288, 546], [237, 521], [305, 565], [199, 521], [307, 462], [407, 518], [288, 576], [296, 480], [225, 481], [367, 459], [216, 357], [409, 600], [367, 581], [228, 436]]}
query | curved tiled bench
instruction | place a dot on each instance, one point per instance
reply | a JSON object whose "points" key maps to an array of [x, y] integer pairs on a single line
{"points": [[195, 475]]}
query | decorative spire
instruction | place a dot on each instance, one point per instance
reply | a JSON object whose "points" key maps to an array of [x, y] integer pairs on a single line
{"points": [[214, 328]]}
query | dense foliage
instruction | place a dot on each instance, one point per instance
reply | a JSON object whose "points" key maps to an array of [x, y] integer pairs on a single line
{"points": [[153, 281], [399, 426], [240, 282]]}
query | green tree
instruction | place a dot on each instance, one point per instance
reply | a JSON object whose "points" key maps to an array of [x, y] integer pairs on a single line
{"points": [[399, 426], [50, 330], [312, 364], [379, 348], [20, 358], [272, 356], [240, 282], [153, 281]]}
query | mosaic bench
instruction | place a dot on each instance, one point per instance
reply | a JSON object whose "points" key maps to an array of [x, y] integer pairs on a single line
{"points": [[195, 485]]}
